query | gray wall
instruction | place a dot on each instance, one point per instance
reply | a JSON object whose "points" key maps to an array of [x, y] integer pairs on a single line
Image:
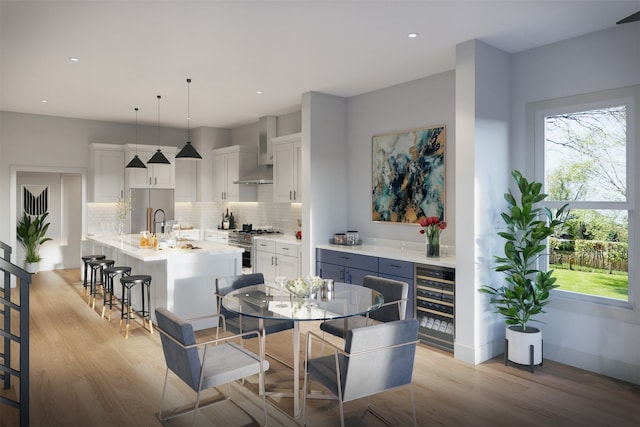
{"points": [[417, 104]]}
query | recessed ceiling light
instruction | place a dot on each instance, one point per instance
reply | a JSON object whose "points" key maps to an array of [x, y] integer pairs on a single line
{"points": [[44, 101], [74, 59], [413, 35], [258, 92]]}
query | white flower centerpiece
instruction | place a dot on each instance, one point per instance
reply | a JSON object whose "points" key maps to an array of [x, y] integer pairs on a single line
{"points": [[124, 207], [304, 287]]}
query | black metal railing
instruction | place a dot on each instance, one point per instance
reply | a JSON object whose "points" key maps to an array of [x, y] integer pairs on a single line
{"points": [[8, 366]]}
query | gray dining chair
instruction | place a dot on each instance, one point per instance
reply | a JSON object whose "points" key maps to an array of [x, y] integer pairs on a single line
{"points": [[236, 323], [204, 365], [375, 359], [395, 293]]}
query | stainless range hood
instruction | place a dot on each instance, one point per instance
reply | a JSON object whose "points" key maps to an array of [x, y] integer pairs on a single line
{"points": [[263, 173]]}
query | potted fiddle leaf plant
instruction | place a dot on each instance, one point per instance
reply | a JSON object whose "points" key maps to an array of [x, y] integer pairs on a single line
{"points": [[31, 232], [526, 288]]}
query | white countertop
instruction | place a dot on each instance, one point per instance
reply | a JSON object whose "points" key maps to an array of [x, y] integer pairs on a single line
{"points": [[410, 252], [128, 244]]}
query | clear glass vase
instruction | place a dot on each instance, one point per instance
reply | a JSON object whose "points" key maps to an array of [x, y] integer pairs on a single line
{"points": [[433, 247]]}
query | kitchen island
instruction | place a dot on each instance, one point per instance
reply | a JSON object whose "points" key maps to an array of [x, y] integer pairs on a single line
{"points": [[183, 279]]}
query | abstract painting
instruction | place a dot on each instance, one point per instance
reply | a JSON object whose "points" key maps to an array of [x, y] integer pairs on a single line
{"points": [[408, 175]]}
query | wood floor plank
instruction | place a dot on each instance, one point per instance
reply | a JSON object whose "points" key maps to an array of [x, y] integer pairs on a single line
{"points": [[85, 373]]}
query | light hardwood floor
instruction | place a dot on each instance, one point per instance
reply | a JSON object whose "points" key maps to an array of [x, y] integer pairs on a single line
{"points": [[84, 373]]}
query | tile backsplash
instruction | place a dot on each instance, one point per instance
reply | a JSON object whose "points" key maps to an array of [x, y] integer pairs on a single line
{"points": [[102, 217]]}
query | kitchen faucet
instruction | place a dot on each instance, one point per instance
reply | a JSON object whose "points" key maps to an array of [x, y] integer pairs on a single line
{"points": [[158, 222]]}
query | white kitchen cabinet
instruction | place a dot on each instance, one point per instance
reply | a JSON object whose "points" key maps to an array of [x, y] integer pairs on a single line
{"points": [[274, 258], [219, 236], [155, 175], [186, 180], [106, 172], [191, 234], [229, 164], [287, 158]]}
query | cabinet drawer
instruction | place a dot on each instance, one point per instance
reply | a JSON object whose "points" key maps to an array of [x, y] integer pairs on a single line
{"points": [[265, 245], [284, 248], [395, 267], [362, 262]]}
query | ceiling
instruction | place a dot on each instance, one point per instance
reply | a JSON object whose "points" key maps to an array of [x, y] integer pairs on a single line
{"points": [[131, 51]]}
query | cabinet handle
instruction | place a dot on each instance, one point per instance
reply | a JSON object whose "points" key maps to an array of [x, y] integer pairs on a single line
{"points": [[342, 275], [156, 180], [345, 257], [294, 195], [290, 194], [149, 180], [285, 249], [394, 266], [272, 260], [276, 258]]}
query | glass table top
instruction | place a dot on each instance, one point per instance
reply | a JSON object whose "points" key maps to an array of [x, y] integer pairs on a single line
{"points": [[272, 302]]}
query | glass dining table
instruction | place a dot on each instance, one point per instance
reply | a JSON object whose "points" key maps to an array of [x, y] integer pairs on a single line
{"points": [[272, 302]]}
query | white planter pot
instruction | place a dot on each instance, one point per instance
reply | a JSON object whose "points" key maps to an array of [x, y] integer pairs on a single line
{"points": [[519, 345], [31, 267]]}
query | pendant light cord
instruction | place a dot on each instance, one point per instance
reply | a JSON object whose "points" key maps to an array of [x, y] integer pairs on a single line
{"points": [[188, 109], [136, 108]]}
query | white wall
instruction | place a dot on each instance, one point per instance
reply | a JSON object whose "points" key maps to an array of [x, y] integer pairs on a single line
{"points": [[482, 172], [417, 104], [590, 336], [324, 156]]}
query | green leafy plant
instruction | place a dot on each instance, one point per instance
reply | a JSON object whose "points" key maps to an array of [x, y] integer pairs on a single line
{"points": [[31, 233], [527, 288]]}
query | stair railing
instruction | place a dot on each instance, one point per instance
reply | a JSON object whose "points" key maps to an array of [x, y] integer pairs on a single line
{"points": [[8, 367]]}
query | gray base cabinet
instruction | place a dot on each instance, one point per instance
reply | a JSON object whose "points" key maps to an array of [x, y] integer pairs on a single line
{"points": [[345, 267], [351, 268], [435, 305]]}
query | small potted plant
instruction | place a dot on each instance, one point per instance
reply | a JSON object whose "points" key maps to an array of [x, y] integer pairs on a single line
{"points": [[31, 233], [526, 289]]}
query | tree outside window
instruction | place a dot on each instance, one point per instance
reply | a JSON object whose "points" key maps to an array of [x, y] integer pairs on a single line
{"points": [[585, 163]]}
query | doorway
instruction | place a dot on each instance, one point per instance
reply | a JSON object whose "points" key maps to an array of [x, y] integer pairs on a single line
{"points": [[66, 200]]}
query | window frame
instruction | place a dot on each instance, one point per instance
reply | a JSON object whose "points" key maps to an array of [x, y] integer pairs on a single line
{"points": [[537, 112]]}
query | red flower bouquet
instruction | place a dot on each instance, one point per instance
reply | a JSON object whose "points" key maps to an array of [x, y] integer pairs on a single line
{"points": [[431, 227]]}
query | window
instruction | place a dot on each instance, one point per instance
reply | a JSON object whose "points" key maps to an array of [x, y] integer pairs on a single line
{"points": [[584, 156]]}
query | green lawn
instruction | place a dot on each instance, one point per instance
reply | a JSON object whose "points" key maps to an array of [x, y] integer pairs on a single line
{"points": [[600, 284]]}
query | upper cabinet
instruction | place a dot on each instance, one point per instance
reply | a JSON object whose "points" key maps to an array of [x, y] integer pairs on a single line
{"points": [[155, 175], [228, 164], [106, 172], [287, 158]]}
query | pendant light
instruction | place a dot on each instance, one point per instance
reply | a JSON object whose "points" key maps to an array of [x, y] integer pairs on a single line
{"points": [[136, 162], [158, 157], [188, 151]]}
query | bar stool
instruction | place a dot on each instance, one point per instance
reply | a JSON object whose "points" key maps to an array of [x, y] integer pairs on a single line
{"points": [[86, 259], [109, 273], [97, 268], [129, 282]]}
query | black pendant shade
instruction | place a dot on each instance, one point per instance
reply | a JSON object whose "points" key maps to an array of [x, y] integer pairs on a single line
{"points": [[136, 162], [188, 151], [158, 157]]}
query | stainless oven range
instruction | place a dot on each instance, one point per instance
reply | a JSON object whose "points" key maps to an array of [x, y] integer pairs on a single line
{"points": [[244, 239]]}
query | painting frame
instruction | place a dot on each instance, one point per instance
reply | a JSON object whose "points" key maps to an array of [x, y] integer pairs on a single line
{"points": [[408, 175]]}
